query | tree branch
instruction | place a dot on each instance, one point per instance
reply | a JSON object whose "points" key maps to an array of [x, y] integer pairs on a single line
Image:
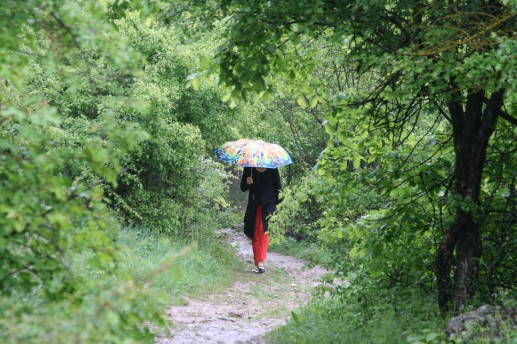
{"points": [[507, 117], [66, 28]]}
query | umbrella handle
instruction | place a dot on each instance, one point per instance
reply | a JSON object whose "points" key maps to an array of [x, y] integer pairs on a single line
{"points": [[250, 176]]}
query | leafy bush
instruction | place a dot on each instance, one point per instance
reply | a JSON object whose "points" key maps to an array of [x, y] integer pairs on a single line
{"points": [[123, 304], [50, 213], [114, 312], [168, 182], [82, 116]]}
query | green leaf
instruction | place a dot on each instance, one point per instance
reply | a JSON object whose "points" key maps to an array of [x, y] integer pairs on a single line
{"points": [[226, 97], [302, 102], [15, 113], [431, 337], [295, 317], [357, 162], [195, 84], [329, 129]]}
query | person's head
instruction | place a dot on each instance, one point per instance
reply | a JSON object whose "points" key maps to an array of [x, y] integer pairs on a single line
{"points": [[260, 169]]}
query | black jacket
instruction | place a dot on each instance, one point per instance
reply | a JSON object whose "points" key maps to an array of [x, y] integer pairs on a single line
{"points": [[264, 191]]}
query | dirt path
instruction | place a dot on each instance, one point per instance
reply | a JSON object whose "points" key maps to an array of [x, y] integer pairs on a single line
{"points": [[251, 307]]}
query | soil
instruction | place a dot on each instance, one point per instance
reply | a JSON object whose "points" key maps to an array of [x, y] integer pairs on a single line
{"points": [[252, 306]]}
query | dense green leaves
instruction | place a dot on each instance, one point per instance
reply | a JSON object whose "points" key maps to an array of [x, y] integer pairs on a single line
{"points": [[412, 93], [51, 170], [107, 112], [97, 127]]}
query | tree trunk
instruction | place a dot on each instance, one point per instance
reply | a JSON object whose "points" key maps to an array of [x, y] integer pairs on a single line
{"points": [[472, 129], [468, 253]]}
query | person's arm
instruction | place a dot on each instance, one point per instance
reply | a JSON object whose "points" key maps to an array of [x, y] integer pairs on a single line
{"points": [[245, 174], [277, 183]]}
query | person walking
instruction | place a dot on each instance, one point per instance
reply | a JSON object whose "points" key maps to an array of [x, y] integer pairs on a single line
{"points": [[264, 186]]}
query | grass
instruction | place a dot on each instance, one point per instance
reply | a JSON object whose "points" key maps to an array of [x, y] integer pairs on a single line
{"points": [[352, 321], [152, 271], [303, 250], [387, 317], [176, 268], [411, 317]]}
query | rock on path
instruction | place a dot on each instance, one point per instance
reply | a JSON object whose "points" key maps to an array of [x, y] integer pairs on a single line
{"points": [[251, 307]]}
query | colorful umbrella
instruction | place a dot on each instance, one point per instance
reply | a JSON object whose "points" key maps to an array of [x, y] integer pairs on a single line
{"points": [[253, 153]]}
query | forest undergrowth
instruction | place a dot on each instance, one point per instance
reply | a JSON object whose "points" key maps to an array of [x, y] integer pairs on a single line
{"points": [[153, 271]]}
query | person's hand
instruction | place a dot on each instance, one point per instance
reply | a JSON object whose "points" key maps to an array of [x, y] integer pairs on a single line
{"points": [[249, 180]]}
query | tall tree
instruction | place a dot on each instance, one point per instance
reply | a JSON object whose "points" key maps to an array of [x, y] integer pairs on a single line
{"points": [[453, 59]]}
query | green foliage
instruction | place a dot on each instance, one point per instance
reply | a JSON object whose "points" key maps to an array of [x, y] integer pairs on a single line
{"points": [[52, 170], [47, 216], [174, 269], [93, 119], [427, 337], [97, 106], [369, 318], [104, 111], [398, 101], [98, 313], [165, 129], [280, 119], [151, 271], [168, 182], [310, 252], [164, 171], [304, 207], [375, 316]]}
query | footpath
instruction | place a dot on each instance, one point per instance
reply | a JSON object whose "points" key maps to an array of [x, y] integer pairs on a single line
{"points": [[251, 307]]}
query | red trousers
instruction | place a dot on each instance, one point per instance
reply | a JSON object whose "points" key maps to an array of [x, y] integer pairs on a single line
{"points": [[260, 239]]}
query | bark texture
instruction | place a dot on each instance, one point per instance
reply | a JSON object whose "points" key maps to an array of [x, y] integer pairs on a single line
{"points": [[473, 118]]}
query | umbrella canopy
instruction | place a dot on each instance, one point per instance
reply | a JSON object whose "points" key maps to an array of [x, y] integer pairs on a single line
{"points": [[253, 153]]}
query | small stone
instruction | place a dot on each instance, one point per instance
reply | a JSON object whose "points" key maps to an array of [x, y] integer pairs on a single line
{"points": [[235, 315]]}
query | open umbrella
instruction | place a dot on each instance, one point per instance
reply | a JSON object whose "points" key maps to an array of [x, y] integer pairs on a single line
{"points": [[253, 153]]}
